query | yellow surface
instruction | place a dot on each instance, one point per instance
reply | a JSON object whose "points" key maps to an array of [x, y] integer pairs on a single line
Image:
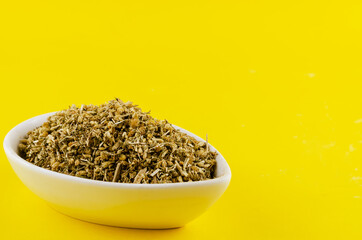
{"points": [[276, 85]]}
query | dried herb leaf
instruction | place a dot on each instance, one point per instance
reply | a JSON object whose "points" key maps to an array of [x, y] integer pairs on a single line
{"points": [[117, 142]]}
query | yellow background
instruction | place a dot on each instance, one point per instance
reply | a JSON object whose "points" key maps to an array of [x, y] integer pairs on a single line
{"points": [[275, 84]]}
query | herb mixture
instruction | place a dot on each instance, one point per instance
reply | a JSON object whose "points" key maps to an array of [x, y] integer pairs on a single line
{"points": [[117, 142]]}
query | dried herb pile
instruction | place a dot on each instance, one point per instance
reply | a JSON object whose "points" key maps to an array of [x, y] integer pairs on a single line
{"points": [[117, 142]]}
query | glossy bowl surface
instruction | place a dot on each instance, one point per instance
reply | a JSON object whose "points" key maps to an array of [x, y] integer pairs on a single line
{"points": [[148, 206]]}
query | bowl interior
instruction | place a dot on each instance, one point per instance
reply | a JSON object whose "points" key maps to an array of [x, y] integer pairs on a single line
{"points": [[12, 139]]}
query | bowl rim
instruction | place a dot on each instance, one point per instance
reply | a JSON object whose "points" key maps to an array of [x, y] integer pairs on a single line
{"points": [[11, 154]]}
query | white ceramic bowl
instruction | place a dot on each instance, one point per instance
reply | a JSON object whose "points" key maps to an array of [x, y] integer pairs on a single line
{"points": [[148, 206]]}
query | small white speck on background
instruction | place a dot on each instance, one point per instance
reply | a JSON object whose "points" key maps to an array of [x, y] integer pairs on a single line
{"points": [[356, 178], [356, 196], [242, 125], [295, 137], [304, 141], [356, 169], [358, 121], [299, 115], [351, 148], [311, 75], [252, 71]]}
